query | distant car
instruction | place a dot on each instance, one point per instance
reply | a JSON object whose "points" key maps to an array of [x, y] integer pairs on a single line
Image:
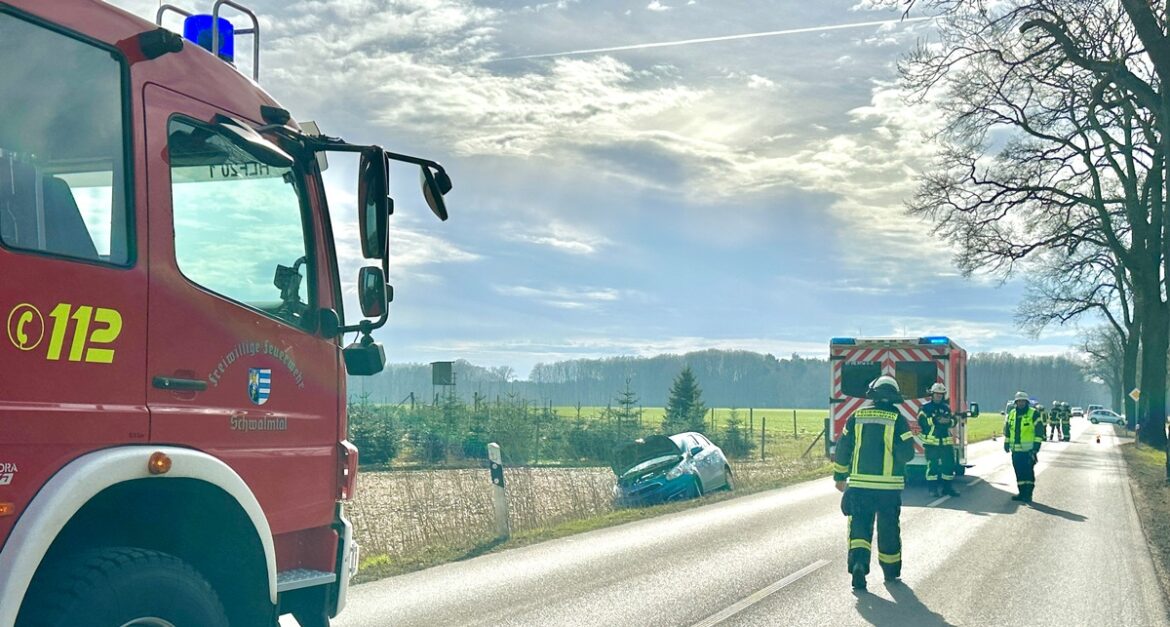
{"points": [[1106, 415], [658, 468], [1092, 408], [1077, 411]]}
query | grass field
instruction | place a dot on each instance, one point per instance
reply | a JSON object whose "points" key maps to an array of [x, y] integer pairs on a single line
{"points": [[783, 437], [779, 424]]}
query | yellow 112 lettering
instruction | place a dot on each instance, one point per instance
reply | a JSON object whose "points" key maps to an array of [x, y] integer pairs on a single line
{"points": [[95, 327]]}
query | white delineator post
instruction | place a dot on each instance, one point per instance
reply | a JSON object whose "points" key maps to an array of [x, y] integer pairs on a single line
{"points": [[499, 498]]}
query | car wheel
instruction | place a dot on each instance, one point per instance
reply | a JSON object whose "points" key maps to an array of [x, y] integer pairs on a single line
{"points": [[1094, 420], [124, 586], [730, 485]]}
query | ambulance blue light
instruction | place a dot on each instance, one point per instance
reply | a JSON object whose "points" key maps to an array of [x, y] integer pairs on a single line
{"points": [[842, 340], [934, 340], [197, 28]]}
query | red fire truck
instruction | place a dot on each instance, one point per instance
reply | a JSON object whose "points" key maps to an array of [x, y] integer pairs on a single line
{"points": [[916, 364], [172, 377]]}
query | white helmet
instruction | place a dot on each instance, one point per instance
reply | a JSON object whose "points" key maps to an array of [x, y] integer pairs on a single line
{"points": [[938, 388], [885, 388], [1021, 396]]}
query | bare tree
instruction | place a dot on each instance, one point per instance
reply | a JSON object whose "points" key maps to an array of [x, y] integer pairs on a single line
{"points": [[1055, 138], [1066, 285]]}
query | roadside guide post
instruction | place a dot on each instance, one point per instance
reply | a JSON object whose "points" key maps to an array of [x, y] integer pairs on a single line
{"points": [[763, 429], [499, 498]]}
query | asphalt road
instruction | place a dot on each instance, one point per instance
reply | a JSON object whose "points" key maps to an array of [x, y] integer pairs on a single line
{"points": [[1075, 557]]}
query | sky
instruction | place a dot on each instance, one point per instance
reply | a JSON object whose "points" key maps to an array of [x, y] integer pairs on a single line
{"points": [[634, 178]]}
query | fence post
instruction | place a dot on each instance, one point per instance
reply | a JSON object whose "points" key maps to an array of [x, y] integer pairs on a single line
{"points": [[499, 498], [763, 430], [794, 424]]}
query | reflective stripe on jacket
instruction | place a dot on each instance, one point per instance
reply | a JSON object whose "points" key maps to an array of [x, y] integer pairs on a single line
{"points": [[934, 432], [873, 449], [1023, 431]]}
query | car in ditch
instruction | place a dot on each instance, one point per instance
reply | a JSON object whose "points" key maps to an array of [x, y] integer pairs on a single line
{"points": [[659, 468]]}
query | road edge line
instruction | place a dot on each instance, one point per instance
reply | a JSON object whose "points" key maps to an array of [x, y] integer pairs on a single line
{"points": [[759, 595]]}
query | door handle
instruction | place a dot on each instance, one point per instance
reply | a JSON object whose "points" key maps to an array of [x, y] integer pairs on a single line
{"points": [[178, 384]]}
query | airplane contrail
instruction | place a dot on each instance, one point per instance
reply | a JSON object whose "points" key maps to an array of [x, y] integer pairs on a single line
{"points": [[706, 40]]}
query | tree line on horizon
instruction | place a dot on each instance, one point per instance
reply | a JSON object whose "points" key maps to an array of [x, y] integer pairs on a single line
{"points": [[728, 379]]}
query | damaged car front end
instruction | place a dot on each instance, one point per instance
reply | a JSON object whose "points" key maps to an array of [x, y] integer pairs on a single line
{"points": [[654, 469]]}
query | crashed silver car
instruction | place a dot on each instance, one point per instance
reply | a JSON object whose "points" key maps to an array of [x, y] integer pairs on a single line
{"points": [[658, 468]]}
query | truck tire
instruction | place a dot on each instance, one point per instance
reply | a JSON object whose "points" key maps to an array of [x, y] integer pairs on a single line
{"points": [[122, 587]]}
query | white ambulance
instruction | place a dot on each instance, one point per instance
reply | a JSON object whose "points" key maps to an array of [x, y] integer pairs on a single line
{"points": [[916, 364]]}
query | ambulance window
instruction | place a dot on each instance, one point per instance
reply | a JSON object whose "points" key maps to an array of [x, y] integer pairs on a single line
{"points": [[62, 146], [856, 377], [239, 227], [915, 377]]}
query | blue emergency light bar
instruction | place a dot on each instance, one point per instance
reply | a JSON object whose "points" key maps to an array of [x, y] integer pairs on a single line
{"points": [[843, 340], [198, 29], [936, 339]]}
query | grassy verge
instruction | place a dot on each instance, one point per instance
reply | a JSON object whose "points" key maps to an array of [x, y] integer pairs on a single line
{"points": [[374, 567], [1151, 495], [983, 427]]}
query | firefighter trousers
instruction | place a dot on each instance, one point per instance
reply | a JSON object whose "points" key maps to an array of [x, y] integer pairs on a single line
{"points": [[1066, 427], [884, 506], [1024, 464], [940, 463]]}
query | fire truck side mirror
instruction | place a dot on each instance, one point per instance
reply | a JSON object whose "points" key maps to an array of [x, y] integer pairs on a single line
{"points": [[373, 202], [434, 186], [974, 412], [364, 358], [372, 292]]}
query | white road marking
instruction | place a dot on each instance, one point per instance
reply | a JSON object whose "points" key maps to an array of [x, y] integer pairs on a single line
{"points": [[759, 595], [943, 499]]}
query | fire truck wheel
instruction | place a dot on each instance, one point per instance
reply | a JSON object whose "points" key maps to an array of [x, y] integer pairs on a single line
{"points": [[123, 587]]}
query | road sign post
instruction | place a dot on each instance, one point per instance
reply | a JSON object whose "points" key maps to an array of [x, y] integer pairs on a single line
{"points": [[499, 497]]}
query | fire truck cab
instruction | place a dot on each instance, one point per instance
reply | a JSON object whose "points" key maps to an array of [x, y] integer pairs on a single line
{"points": [[172, 376], [916, 364]]}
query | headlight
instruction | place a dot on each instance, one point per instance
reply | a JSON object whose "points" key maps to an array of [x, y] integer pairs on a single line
{"points": [[676, 472]]}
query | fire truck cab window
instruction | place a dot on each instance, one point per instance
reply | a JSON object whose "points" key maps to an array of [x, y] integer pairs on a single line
{"points": [[856, 377], [915, 378], [239, 226], [62, 146]]}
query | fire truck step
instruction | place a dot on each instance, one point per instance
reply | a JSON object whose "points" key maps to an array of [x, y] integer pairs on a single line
{"points": [[302, 578]]}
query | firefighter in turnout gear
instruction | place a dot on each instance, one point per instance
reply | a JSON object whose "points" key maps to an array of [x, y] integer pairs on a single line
{"points": [[1053, 422], [869, 468], [1066, 421], [1022, 435], [1043, 418], [937, 425]]}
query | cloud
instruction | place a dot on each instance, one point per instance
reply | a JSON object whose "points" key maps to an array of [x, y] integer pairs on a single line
{"points": [[563, 297], [557, 235], [655, 5]]}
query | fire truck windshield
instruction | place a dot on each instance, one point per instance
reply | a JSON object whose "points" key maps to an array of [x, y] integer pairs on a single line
{"points": [[62, 146]]}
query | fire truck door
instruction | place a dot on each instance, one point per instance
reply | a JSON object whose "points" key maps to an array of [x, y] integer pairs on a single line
{"points": [[72, 272], [236, 366]]}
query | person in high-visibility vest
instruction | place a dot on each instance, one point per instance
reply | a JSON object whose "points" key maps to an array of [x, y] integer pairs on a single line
{"points": [[1022, 435], [1066, 421], [936, 424], [1053, 421], [869, 468]]}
